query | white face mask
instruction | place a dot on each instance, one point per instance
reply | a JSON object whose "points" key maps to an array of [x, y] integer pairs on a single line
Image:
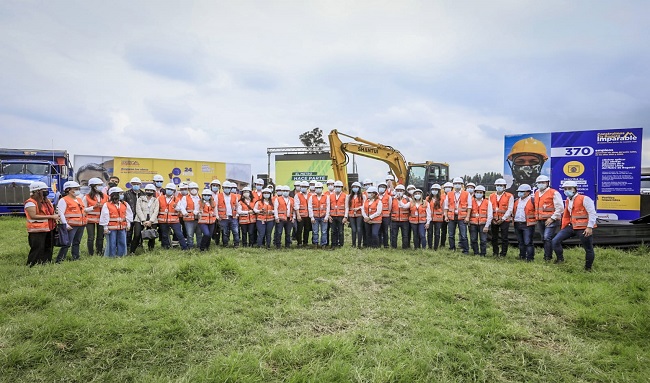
{"points": [[266, 195], [499, 189], [381, 189], [417, 196], [215, 189], [77, 193], [434, 192], [569, 193], [226, 190], [85, 189], [330, 187], [470, 190], [447, 190], [312, 187], [319, 190], [542, 186], [338, 189], [355, 189], [399, 194], [285, 193], [184, 192], [303, 190], [258, 187], [206, 198], [194, 191], [457, 187], [246, 194], [479, 195]]}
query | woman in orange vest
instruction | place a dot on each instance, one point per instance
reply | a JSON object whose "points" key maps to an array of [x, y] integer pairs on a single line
{"points": [[458, 208], [479, 222], [247, 218], [419, 218], [168, 218], [354, 203], [93, 202], [578, 219], [265, 219], [372, 209], [434, 232], [525, 221], [399, 217], [318, 206], [283, 212], [41, 221], [338, 212], [73, 215], [116, 218], [206, 217]]}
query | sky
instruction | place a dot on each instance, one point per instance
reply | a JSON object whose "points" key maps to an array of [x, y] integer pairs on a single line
{"points": [[224, 80]]}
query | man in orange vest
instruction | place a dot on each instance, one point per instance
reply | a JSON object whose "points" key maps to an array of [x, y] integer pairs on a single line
{"points": [[502, 203], [189, 206], [548, 210], [458, 209], [318, 206], [227, 212], [283, 211], [386, 201], [524, 217], [338, 211], [399, 214], [302, 214], [578, 219], [479, 222], [168, 218], [73, 215]]}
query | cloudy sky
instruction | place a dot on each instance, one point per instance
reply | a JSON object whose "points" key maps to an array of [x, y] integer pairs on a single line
{"points": [[224, 80]]}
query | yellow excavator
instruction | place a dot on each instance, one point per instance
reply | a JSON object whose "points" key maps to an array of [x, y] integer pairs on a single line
{"points": [[421, 175]]}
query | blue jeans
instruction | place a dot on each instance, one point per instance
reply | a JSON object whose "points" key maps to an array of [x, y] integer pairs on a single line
{"points": [[191, 228], [419, 236], [75, 238], [587, 244], [116, 243], [525, 240], [229, 225], [402, 226], [476, 233], [372, 233], [462, 233], [281, 226], [178, 234], [356, 224], [264, 230], [319, 227], [547, 233], [206, 235], [434, 234]]}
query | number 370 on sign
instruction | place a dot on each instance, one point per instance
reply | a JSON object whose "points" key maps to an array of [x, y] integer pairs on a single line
{"points": [[572, 151]]}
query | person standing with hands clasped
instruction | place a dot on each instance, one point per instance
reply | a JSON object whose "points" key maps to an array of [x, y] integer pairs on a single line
{"points": [[73, 216], [502, 203], [479, 222], [578, 219], [354, 204], [318, 206], [265, 219], [525, 221], [41, 222], [147, 212], [372, 209], [93, 202], [458, 209], [283, 211], [207, 216], [419, 218], [116, 218]]}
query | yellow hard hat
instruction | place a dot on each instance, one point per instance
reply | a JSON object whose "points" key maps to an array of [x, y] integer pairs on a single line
{"points": [[528, 145]]}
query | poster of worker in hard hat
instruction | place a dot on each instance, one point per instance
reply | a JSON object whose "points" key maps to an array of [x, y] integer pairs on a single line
{"points": [[526, 158]]}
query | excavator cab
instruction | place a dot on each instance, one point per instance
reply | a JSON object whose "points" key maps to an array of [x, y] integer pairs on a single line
{"points": [[423, 175]]}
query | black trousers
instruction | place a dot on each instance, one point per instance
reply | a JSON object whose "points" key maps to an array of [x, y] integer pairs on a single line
{"points": [[136, 236], [95, 239], [383, 232], [500, 236], [41, 247], [246, 234], [337, 232], [304, 227], [404, 227]]}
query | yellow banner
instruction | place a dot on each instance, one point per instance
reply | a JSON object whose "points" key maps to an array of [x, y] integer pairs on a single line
{"points": [[618, 202], [286, 172]]}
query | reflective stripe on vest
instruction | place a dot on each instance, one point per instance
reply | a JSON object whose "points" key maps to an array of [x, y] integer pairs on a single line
{"points": [[544, 206], [93, 215], [399, 214], [221, 205], [500, 207], [418, 214], [302, 210], [167, 212], [529, 210], [319, 205], [462, 204], [266, 213], [283, 206], [208, 213], [245, 219], [189, 202], [356, 203], [385, 205], [370, 209], [479, 212], [337, 204], [75, 214], [578, 217], [39, 225], [437, 215], [117, 216]]}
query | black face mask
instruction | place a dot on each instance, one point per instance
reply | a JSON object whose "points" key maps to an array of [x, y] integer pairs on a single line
{"points": [[112, 184], [45, 193], [149, 194]]}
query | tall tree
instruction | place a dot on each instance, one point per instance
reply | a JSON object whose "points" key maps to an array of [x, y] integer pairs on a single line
{"points": [[312, 138]]}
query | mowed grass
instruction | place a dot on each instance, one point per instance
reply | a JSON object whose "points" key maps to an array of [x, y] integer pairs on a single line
{"points": [[251, 315]]}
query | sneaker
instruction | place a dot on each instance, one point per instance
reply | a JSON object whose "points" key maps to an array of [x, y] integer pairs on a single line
{"points": [[558, 261], [588, 269]]}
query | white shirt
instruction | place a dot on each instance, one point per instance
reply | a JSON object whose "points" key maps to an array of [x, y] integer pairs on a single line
{"points": [[182, 204], [558, 204], [511, 203], [520, 214], [380, 206], [588, 203], [105, 215], [310, 207], [490, 212], [457, 200], [227, 198]]}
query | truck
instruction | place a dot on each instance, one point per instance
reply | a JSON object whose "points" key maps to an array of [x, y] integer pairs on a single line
{"points": [[20, 167]]}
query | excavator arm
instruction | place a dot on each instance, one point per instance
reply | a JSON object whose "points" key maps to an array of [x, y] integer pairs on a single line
{"points": [[365, 148]]}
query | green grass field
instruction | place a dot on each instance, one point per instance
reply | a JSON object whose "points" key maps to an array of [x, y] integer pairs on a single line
{"points": [[251, 315]]}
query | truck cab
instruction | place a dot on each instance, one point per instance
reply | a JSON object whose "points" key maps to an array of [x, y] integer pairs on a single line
{"points": [[424, 175]]}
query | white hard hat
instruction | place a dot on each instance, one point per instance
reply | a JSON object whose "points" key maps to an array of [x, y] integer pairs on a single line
{"points": [[447, 185], [171, 185], [136, 180], [382, 183], [183, 185], [70, 184], [471, 184], [296, 183], [115, 189], [304, 183], [390, 178], [338, 183], [215, 182], [417, 191], [500, 181], [226, 184], [542, 178], [458, 180], [330, 181], [259, 181], [372, 189], [570, 184], [37, 185], [95, 181], [246, 188], [480, 188], [158, 177], [150, 187], [318, 184], [410, 187], [206, 192], [266, 190], [194, 185], [435, 186], [312, 182], [367, 181], [524, 188], [268, 186], [400, 187], [356, 184]]}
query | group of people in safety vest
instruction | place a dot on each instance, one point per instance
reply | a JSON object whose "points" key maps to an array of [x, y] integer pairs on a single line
{"points": [[261, 216]]}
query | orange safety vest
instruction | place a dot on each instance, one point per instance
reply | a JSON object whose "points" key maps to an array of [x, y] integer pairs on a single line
{"points": [[337, 204], [355, 204], [544, 207], [245, 219], [302, 207], [167, 212], [319, 205], [40, 225], [75, 215], [266, 213], [221, 205], [283, 206], [189, 208], [208, 213], [256, 196], [437, 215], [578, 217], [117, 216], [418, 214], [479, 212], [385, 205], [93, 216], [500, 207], [399, 214], [462, 204], [529, 210], [371, 208]]}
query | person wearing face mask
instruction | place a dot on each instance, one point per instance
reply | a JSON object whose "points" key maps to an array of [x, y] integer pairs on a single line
{"points": [[578, 219], [116, 218], [354, 204], [206, 217], [419, 219], [73, 216], [330, 190], [300, 202], [458, 209], [113, 181], [247, 218], [168, 218], [93, 202], [390, 183], [470, 187], [399, 217], [188, 206], [265, 219], [526, 160], [524, 217], [548, 210], [437, 218], [41, 222], [183, 190], [158, 181], [409, 193], [134, 236], [386, 202], [147, 208], [480, 220], [338, 214], [215, 188], [318, 206], [371, 212], [366, 184], [502, 204], [227, 214], [283, 213], [292, 195]]}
